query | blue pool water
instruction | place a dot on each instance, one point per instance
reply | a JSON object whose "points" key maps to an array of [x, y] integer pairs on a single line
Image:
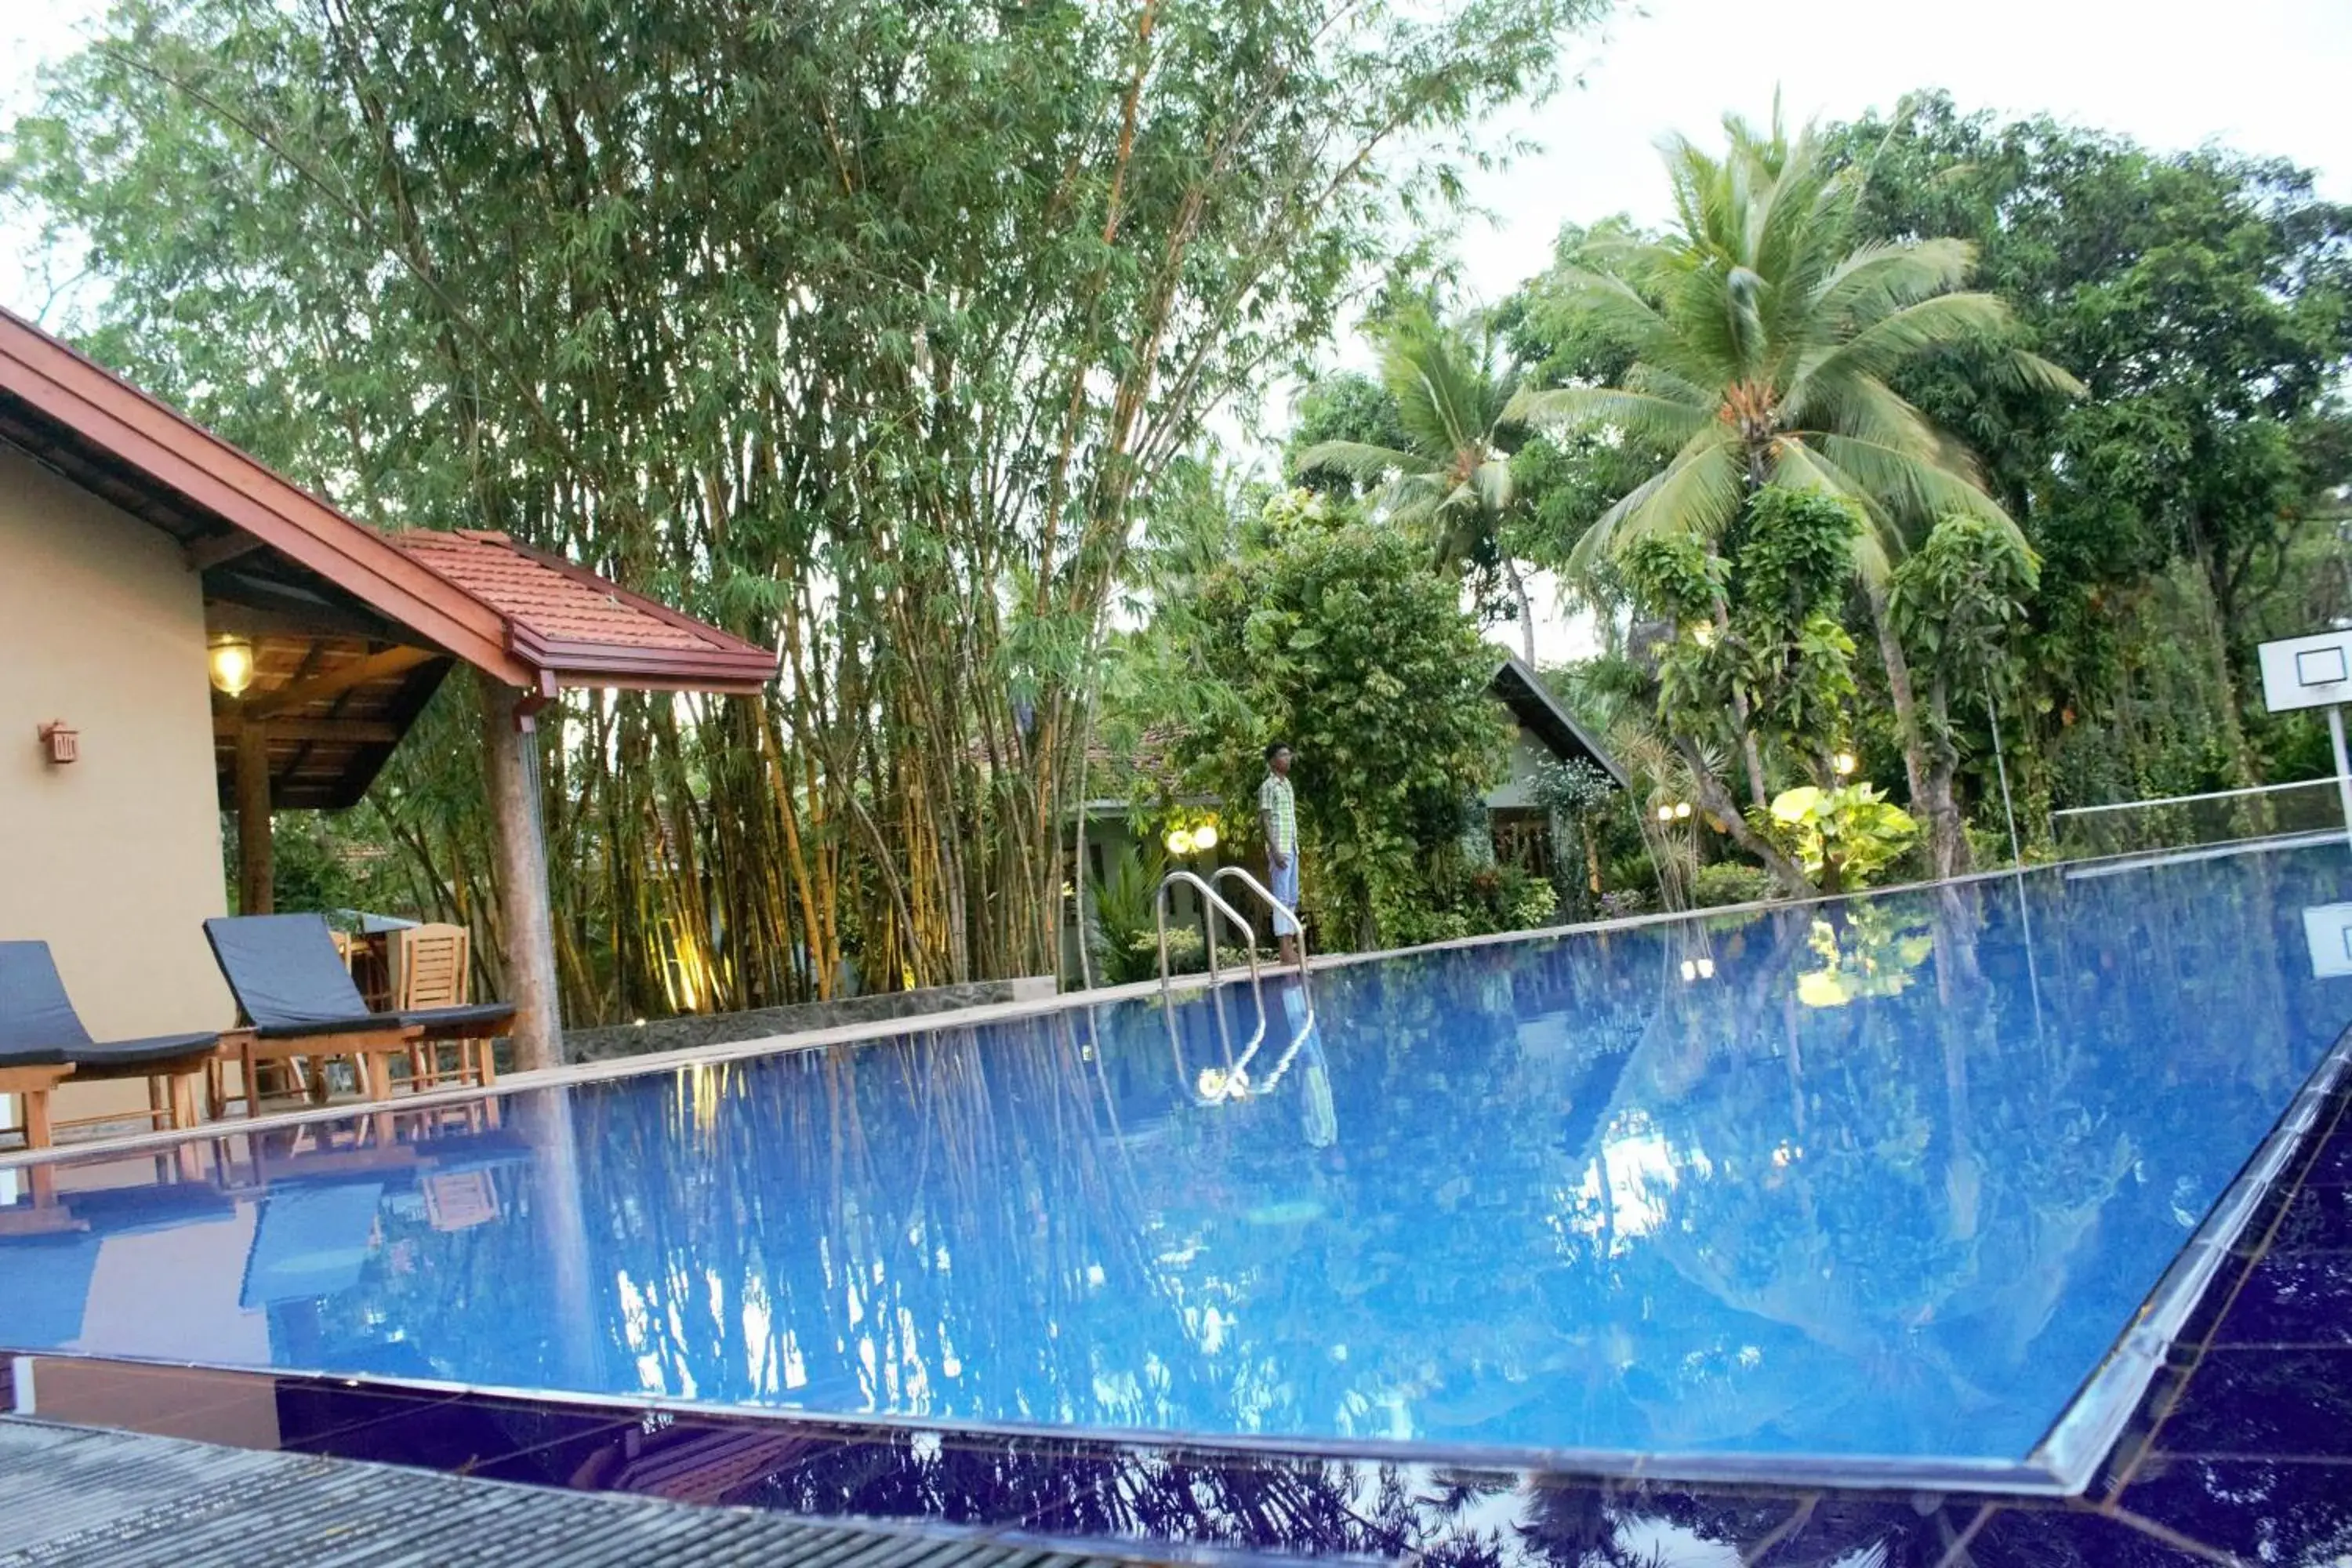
{"points": [[1886, 1177]]}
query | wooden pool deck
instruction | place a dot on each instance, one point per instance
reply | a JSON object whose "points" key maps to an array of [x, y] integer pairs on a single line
{"points": [[74, 1497]]}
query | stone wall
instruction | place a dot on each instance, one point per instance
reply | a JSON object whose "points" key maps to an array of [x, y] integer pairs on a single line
{"points": [[727, 1028]]}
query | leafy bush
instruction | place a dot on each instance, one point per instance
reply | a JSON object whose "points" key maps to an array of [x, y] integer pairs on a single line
{"points": [[1730, 882], [1840, 835], [1623, 903], [1126, 940]]}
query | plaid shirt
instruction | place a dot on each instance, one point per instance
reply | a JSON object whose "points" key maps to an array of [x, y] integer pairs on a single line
{"points": [[1278, 802]]}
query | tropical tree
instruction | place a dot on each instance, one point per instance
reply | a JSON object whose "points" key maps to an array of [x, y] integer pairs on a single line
{"points": [[1761, 338], [1450, 473], [867, 331], [1958, 603], [1333, 635], [2188, 507]]}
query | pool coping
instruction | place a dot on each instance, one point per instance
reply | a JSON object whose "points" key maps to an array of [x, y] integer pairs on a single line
{"points": [[2097, 1418], [1068, 1001]]}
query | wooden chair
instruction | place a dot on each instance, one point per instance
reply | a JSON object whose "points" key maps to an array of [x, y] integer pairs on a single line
{"points": [[433, 968], [298, 1000]]}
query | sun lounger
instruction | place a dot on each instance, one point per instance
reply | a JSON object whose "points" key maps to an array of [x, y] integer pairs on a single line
{"points": [[299, 1001], [43, 1043]]}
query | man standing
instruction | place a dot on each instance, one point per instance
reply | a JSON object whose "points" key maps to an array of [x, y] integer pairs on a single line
{"points": [[1278, 820]]}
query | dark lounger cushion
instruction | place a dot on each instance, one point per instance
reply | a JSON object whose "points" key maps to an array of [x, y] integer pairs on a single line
{"points": [[38, 1024], [140, 1054], [472, 1019], [286, 973]]}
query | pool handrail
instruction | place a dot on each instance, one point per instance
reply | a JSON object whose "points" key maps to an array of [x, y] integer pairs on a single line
{"points": [[1212, 904], [1298, 926]]}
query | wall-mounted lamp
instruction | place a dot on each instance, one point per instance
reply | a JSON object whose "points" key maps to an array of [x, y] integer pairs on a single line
{"points": [[61, 741], [1843, 764], [229, 660]]}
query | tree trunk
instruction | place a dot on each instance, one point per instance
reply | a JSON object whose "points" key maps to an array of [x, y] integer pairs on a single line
{"points": [[1717, 802], [1930, 781], [1750, 753], [1898, 687], [1527, 610], [1947, 838]]}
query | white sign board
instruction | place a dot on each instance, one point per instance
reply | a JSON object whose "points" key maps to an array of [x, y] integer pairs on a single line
{"points": [[2327, 928], [2307, 672]]}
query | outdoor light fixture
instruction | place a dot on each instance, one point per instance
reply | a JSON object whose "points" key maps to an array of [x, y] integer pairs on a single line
{"points": [[1843, 764], [1703, 633], [1205, 837], [1179, 842], [1666, 814], [1698, 969], [1682, 809], [230, 659]]}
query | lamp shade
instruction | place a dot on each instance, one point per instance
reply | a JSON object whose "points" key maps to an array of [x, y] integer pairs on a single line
{"points": [[229, 662]]}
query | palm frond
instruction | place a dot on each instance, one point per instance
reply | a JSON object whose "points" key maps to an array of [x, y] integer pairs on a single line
{"points": [[1877, 278], [1697, 492], [1944, 321], [1614, 310], [2031, 372], [1660, 421], [1492, 485], [1915, 491], [1365, 462], [1798, 467], [1869, 410]]}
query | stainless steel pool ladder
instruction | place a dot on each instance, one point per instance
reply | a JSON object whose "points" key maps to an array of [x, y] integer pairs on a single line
{"points": [[1280, 910], [1211, 1086], [1212, 904], [1233, 1082]]}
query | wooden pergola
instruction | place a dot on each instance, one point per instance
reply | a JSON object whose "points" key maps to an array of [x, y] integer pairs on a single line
{"points": [[350, 632]]}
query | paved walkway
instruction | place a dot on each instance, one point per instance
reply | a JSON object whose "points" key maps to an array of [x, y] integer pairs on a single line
{"points": [[71, 1496]]}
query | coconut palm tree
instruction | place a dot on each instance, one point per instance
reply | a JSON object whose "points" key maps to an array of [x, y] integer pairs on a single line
{"points": [[1763, 339], [1452, 392]]}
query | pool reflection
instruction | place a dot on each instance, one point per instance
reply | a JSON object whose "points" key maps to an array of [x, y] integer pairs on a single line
{"points": [[1859, 1185]]}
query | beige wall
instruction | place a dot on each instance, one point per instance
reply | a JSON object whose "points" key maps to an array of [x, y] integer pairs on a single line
{"points": [[1527, 754], [115, 859]]}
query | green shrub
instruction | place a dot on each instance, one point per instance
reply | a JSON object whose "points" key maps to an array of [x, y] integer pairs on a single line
{"points": [[1730, 882]]}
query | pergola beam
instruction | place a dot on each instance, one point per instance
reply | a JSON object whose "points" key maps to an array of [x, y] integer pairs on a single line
{"points": [[334, 683], [356, 732]]}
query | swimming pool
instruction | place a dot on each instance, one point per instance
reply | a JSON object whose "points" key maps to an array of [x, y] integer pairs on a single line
{"points": [[1876, 1182]]}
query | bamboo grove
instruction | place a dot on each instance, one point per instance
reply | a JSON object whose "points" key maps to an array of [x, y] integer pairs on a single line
{"points": [[863, 329]]}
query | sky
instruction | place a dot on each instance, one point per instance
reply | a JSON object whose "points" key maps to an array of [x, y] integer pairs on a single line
{"points": [[2269, 77]]}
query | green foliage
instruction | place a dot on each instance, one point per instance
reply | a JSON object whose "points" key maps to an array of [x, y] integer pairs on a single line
{"points": [[1778, 650], [1125, 933], [1463, 902], [1571, 786], [1346, 405], [1842, 837], [1760, 338], [867, 331], [1873, 951], [1342, 643], [1447, 475], [2204, 299], [1960, 600], [1729, 882]]}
